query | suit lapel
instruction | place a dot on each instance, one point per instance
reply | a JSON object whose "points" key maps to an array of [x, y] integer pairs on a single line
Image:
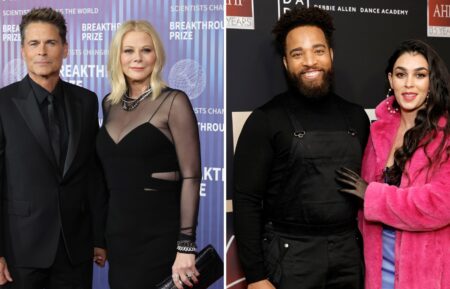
{"points": [[74, 112], [28, 107]]}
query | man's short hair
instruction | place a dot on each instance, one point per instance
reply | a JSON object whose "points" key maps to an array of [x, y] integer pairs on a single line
{"points": [[297, 17], [46, 15]]}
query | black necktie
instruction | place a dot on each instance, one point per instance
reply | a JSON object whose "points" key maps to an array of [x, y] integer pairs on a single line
{"points": [[53, 128]]}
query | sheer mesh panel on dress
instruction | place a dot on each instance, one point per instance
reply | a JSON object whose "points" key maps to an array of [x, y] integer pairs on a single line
{"points": [[173, 115]]}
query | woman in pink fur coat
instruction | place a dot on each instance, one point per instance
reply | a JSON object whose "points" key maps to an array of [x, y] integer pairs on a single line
{"points": [[405, 180]]}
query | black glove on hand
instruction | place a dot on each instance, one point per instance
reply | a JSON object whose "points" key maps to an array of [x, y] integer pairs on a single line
{"points": [[354, 184]]}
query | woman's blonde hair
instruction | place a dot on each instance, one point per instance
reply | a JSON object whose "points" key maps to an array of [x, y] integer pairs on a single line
{"points": [[117, 78]]}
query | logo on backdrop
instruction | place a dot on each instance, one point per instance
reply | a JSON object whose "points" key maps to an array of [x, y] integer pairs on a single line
{"points": [[286, 5], [438, 15], [189, 76], [351, 7], [240, 14]]}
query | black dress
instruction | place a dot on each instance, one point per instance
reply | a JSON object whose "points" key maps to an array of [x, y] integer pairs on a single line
{"points": [[151, 160]]}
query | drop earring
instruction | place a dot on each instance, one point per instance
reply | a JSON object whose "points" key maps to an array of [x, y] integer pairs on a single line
{"points": [[389, 105], [388, 93]]}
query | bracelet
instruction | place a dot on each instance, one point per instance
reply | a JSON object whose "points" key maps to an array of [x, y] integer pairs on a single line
{"points": [[186, 246]]}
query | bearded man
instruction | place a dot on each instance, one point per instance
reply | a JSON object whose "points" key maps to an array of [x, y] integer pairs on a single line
{"points": [[294, 229]]}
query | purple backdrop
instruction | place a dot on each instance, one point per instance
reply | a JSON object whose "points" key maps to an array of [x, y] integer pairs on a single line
{"points": [[193, 35]]}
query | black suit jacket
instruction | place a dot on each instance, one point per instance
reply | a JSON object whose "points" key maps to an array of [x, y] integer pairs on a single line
{"points": [[38, 202]]}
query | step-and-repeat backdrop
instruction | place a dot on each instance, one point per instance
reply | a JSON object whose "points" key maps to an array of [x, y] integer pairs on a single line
{"points": [[193, 35], [367, 31]]}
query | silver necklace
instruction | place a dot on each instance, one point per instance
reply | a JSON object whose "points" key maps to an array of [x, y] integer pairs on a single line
{"points": [[129, 104]]}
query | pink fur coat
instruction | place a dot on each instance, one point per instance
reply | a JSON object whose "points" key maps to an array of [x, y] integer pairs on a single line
{"points": [[419, 209]]}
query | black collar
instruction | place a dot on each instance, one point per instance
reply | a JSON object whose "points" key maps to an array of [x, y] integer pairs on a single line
{"points": [[41, 93], [299, 98]]}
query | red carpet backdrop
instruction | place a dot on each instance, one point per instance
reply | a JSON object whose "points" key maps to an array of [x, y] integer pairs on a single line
{"points": [[193, 35]]}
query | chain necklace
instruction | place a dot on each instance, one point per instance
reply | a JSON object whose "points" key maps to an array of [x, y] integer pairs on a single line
{"points": [[129, 104]]}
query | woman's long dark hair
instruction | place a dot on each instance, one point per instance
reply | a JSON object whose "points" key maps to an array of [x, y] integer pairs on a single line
{"points": [[426, 125]]}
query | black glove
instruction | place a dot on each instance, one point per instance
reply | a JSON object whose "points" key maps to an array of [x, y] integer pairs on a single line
{"points": [[354, 184]]}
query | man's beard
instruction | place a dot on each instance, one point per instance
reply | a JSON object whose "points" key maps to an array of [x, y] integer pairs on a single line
{"points": [[311, 90]]}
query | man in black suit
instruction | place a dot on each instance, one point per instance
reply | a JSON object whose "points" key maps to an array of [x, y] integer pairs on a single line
{"points": [[52, 199]]}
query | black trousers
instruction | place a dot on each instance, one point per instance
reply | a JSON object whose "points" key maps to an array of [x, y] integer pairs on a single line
{"points": [[61, 275], [314, 262]]}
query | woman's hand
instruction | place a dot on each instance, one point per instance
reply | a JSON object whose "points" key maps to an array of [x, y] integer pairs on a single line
{"points": [[184, 271], [263, 284], [99, 256], [355, 185]]}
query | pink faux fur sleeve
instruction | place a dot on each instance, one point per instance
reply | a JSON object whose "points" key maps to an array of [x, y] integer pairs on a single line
{"points": [[369, 163], [419, 207]]}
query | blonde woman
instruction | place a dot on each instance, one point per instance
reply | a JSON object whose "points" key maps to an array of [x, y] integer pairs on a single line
{"points": [[150, 152]]}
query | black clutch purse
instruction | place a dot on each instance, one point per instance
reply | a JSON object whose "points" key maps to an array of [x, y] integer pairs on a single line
{"points": [[208, 264]]}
